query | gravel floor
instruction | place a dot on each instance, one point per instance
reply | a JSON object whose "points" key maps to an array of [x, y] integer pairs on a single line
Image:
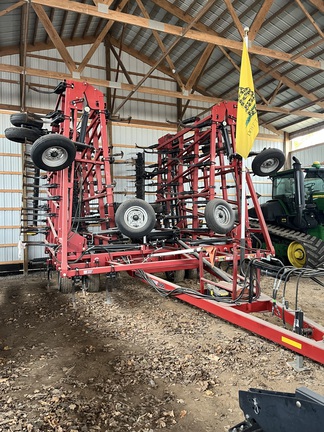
{"points": [[143, 363]]}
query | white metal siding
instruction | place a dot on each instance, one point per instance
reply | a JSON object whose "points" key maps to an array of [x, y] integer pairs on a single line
{"points": [[10, 194], [309, 155]]}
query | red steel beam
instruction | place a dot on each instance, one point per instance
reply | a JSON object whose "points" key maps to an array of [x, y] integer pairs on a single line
{"points": [[240, 315]]}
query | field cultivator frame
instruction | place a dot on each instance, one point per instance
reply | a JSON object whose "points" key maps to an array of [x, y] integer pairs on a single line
{"points": [[194, 224]]}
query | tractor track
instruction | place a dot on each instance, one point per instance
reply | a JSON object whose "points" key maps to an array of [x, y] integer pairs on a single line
{"points": [[313, 246]]}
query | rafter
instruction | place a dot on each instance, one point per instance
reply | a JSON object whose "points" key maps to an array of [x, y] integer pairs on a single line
{"points": [[200, 66], [95, 46], [199, 15], [258, 63], [147, 90], [259, 19], [319, 4], [175, 30], [57, 41], [161, 45], [22, 54], [120, 63], [12, 7], [310, 18], [235, 18]]}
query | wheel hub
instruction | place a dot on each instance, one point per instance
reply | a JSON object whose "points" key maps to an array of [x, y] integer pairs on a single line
{"points": [[297, 254], [135, 217], [55, 156]]}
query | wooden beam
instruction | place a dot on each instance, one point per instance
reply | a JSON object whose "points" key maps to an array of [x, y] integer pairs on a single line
{"points": [[12, 7], [120, 63], [259, 19], [22, 53], [319, 4], [148, 90], [174, 30], [310, 18], [162, 47], [258, 63], [235, 18], [199, 15], [111, 84], [57, 41], [200, 66], [99, 39], [289, 83]]}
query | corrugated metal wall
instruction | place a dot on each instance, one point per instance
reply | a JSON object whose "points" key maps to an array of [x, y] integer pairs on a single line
{"points": [[144, 108], [309, 155], [10, 194]]}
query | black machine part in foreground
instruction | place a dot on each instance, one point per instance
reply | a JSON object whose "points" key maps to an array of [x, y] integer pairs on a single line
{"points": [[271, 411]]}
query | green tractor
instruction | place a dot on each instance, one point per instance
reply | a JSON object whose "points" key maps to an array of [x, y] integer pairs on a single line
{"points": [[295, 214]]}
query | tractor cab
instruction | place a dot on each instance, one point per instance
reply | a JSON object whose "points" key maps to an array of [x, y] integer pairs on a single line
{"points": [[297, 198], [284, 184]]}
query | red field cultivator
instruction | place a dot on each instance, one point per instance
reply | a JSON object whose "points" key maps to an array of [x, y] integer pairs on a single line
{"points": [[193, 226]]}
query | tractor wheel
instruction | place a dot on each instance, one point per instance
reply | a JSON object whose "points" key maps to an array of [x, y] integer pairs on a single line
{"points": [[92, 283], [22, 134], [296, 254], [53, 152], [135, 218], [268, 162], [26, 119], [175, 275], [219, 216]]}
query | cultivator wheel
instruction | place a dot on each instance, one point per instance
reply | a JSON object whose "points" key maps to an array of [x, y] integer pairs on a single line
{"points": [[268, 162], [65, 285], [135, 218], [26, 119], [175, 276], [219, 216], [22, 134], [91, 283], [53, 152]]}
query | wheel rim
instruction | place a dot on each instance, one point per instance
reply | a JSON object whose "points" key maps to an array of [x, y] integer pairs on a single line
{"points": [[136, 217], [296, 254], [270, 165], [222, 215], [55, 156]]}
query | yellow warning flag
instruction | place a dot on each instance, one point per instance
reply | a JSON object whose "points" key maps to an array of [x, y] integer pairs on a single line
{"points": [[247, 126]]}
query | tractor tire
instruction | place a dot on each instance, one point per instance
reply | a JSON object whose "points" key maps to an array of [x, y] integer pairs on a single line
{"points": [[175, 276], [135, 218], [26, 119], [22, 134], [53, 152], [268, 162], [219, 216]]}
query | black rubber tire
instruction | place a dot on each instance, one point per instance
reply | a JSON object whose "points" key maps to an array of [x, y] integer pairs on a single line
{"points": [[65, 285], [22, 134], [92, 283], [219, 216], [53, 152], [175, 276], [191, 274], [268, 162], [26, 119], [135, 218]]}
